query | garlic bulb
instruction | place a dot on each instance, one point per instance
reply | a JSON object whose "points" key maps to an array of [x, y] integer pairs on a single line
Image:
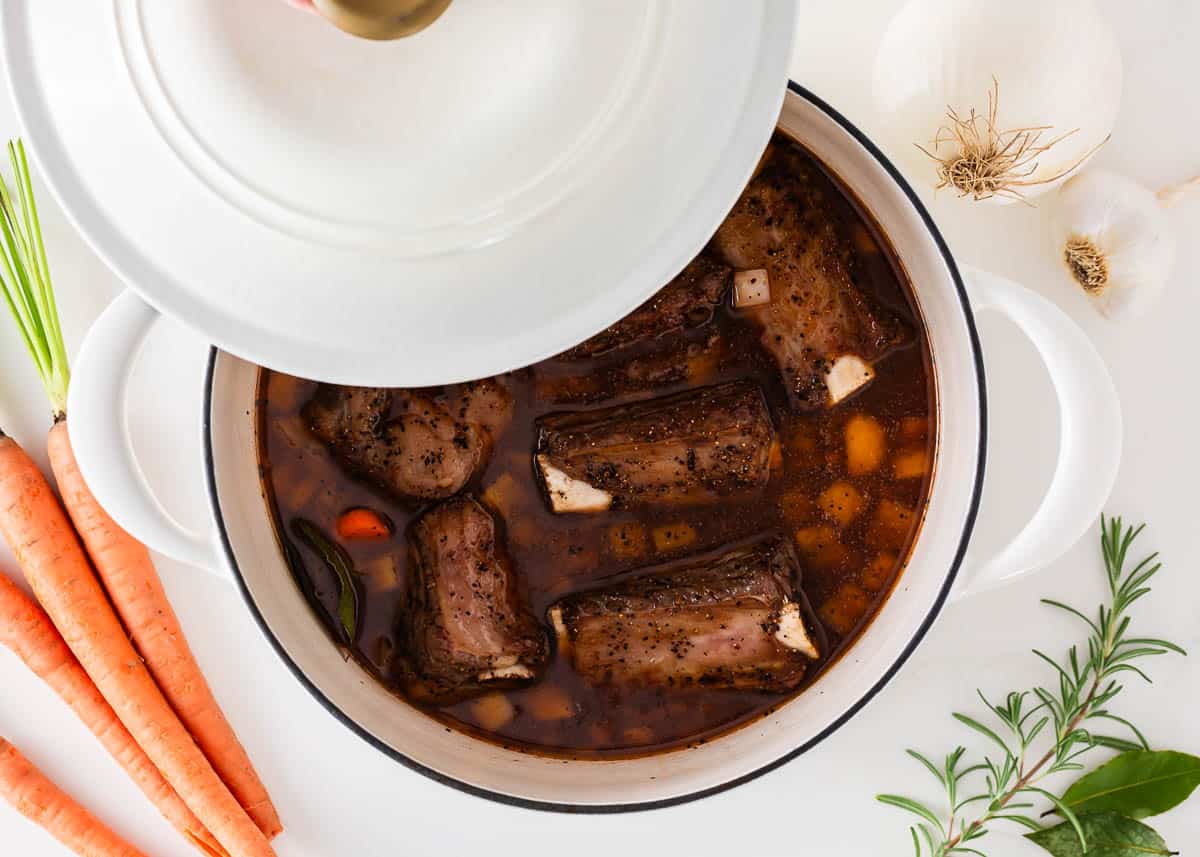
{"points": [[999, 101], [1116, 240]]}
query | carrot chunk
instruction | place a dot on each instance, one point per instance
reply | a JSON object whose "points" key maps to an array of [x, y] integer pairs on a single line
{"points": [[910, 464], [548, 702], [878, 572], [493, 711], [914, 428], [865, 445], [845, 608], [363, 524], [891, 526], [841, 502], [821, 546]]}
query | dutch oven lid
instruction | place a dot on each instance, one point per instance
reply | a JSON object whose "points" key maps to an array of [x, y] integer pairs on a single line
{"points": [[473, 198]]}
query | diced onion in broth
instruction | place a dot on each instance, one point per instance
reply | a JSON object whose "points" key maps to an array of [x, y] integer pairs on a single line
{"points": [[751, 288]]}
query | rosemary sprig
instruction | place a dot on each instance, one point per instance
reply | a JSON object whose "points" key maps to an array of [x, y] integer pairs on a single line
{"points": [[1065, 716], [25, 281]]}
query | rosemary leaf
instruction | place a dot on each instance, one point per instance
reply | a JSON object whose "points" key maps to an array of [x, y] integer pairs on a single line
{"points": [[1049, 725]]}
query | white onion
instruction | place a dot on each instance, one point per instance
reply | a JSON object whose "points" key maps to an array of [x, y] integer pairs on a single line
{"points": [[1054, 65], [751, 288]]}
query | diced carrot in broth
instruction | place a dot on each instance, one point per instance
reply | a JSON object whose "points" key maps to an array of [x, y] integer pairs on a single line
{"points": [[910, 464], [627, 541], [797, 507], [775, 459], [501, 495], [866, 445], [493, 711], [891, 526], [845, 608], [363, 524], [842, 503], [672, 537], [820, 546], [549, 702], [914, 428], [879, 571]]}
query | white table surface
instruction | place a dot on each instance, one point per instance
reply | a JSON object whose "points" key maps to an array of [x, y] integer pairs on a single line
{"points": [[337, 796]]}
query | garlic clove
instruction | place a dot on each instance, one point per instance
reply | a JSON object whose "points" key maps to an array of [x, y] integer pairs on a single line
{"points": [[1115, 240]]}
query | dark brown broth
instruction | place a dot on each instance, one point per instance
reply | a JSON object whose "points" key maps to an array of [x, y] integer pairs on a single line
{"points": [[562, 714]]}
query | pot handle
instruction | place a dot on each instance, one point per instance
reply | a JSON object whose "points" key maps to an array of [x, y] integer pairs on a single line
{"points": [[1090, 433], [100, 434]]}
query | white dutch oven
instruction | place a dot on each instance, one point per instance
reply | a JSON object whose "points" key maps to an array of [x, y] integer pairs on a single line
{"points": [[242, 544]]}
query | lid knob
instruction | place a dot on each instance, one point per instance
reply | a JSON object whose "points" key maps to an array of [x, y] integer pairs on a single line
{"points": [[381, 19]]}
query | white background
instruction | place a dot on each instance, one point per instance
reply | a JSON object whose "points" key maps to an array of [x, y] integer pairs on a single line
{"points": [[337, 796]]}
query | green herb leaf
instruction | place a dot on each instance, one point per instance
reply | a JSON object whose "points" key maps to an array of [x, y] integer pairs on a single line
{"points": [[1108, 835], [1087, 678], [341, 565], [1137, 784], [910, 805], [25, 281]]}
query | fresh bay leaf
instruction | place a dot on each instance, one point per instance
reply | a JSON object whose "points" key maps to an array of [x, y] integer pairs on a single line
{"points": [[1136, 784], [338, 562], [1108, 835]]}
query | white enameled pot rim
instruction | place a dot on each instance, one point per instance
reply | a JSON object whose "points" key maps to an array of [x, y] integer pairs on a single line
{"points": [[918, 633]]}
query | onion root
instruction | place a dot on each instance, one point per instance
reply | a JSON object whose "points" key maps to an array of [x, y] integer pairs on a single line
{"points": [[983, 161]]}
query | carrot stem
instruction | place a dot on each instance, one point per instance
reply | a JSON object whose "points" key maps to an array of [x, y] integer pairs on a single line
{"points": [[25, 281]]}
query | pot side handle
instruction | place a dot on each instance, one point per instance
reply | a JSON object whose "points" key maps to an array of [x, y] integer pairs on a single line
{"points": [[1090, 433], [100, 434]]}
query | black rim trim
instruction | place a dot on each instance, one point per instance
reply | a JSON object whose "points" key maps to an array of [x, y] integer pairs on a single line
{"points": [[918, 635]]}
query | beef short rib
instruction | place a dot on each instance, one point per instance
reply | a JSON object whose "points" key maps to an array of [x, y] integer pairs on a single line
{"points": [[688, 301], [463, 620], [420, 444], [732, 619], [690, 447], [823, 331]]}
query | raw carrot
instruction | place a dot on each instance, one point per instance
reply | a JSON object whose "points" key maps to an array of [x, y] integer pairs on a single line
{"points": [[133, 586], [48, 550], [363, 523], [27, 631], [123, 564], [45, 804]]}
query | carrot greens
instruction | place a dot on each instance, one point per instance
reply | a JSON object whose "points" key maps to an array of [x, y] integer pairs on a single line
{"points": [[25, 280]]}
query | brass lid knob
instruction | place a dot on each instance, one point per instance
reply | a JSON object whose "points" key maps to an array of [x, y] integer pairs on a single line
{"points": [[381, 19]]}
